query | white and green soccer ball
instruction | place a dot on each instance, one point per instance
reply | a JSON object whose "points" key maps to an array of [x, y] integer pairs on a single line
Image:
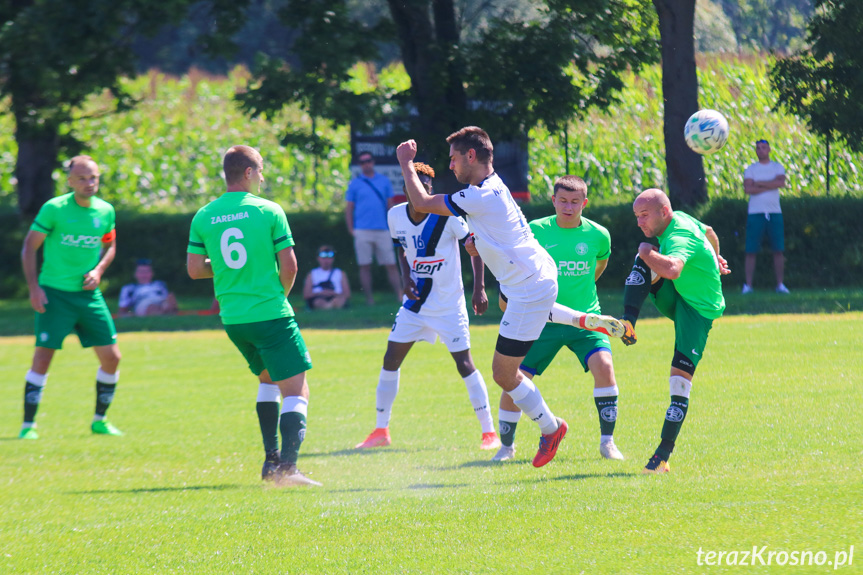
{"points": [[706, 131]]}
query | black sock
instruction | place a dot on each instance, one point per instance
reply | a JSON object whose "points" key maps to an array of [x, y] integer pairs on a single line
{"points": [[32, 397], [671, 427], [293, 428], [636, 290], [268, 417], [104, 397]]}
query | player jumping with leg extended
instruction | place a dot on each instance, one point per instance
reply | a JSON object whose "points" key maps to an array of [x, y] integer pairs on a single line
{"points": [[682, 279], [525, 271], [434, 306]]}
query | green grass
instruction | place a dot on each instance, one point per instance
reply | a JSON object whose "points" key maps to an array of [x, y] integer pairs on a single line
{"points": [[769, 455], [16, 316]]}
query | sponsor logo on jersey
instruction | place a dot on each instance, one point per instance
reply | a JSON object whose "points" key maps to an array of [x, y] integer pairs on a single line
{"points": [[674, 414], [581, 248], [428, 267], [572, 268], [97, 223], [80, 241], [229, 218]]}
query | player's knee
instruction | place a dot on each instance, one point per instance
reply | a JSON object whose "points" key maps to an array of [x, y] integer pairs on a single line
{"points": [[391, 362], [464, 366]]}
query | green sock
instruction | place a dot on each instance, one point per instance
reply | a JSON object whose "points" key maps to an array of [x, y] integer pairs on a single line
{"points": [[293, 428], [104, 396], [268, 417], [671, 427], [607, 409], [507, 422], [635, 290]]}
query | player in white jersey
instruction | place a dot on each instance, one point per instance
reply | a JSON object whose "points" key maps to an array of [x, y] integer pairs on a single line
{"points": [[433, 307], [526, 273]]}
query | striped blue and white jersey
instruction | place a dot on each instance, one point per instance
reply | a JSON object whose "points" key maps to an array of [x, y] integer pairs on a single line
{"points": [[432, 251]]}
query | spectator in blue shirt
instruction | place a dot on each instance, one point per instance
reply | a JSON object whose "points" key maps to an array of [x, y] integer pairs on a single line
{"points": [[369, 197]]}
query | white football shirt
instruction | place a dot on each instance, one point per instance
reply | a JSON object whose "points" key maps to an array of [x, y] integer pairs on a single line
{"points": [[765, 202], [431, 249], [503, 238]]}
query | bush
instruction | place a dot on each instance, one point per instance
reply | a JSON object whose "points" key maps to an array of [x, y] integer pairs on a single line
{"points": [[823, 246]]}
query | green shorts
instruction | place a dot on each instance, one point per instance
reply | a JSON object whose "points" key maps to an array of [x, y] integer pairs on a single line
{"points": [[554, 337], [275, 345], [84, 311], [690, 327]]}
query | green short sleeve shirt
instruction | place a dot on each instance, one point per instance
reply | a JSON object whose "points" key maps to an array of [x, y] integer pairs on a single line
{"points": [[575, 252], [73, 242], [241, 234], [698, 284]]}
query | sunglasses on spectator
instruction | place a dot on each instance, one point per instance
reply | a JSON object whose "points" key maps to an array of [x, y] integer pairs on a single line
{"points": [[326, 254], [367, 160]]}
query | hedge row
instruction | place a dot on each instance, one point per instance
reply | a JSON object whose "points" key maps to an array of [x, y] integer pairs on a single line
{"points": [[824, 247]]}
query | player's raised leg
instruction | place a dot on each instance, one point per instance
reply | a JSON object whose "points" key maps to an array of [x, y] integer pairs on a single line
{"points": [[478, 394], [604, 324], [385, 394]]}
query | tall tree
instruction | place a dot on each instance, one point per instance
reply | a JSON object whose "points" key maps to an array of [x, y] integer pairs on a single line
{"points": [[55, 53], [685, 168], [507, 75], [823, 85]]}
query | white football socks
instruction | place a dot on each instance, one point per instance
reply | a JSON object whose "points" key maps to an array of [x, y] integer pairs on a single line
{"points": [[564, 315], [388, 388], [528, 398], [478, 394]]}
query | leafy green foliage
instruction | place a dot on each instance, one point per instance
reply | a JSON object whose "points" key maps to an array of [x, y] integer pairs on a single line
{"points": [[823, 85], [769, 24]]}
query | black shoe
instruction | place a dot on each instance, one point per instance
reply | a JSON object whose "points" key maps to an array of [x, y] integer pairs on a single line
{"points": [[656, 465], [271, 465]]}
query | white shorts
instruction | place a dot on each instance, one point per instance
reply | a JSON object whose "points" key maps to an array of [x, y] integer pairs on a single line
{"points": [[451, 328], [528, 305]]}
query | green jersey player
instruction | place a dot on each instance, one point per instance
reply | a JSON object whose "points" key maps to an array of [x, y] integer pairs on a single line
{"points": [[244, 243], [682, 279], [580, 249], [77, 232]]}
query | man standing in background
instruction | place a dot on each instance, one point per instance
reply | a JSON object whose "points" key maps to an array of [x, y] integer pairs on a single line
{"points": [[367, 200], [761, 182]]}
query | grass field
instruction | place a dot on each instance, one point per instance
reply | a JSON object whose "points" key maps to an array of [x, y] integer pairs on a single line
{"points": [[770, 455]]}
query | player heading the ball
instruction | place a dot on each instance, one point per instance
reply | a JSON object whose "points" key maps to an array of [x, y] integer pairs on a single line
{"points": [[526, 273]]}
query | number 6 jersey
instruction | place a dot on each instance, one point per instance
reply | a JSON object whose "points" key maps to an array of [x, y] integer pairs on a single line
{"points": [[241, 234], [431, 249]]}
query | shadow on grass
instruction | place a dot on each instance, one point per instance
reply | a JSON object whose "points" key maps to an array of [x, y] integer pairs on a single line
{"points": [[162, 489], [580, 476], [437, 485], [353, 451]]}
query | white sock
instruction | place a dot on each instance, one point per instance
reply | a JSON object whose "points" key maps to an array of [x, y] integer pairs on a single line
{"points": [[564, 315], [528, 398], [295, 403], [269, 392], [478, 394], [388, 388], [606, 438], [679, 385], [109, 378]]}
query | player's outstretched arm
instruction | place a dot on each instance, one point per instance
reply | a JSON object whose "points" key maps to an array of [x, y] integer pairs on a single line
{"points": [[198, 266], [421, 200]]}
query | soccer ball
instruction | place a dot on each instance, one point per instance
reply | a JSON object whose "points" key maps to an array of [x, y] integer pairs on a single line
{"points": [[706, 131]]}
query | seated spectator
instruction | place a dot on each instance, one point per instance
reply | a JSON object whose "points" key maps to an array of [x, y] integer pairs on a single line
{"points": [[146, 296], [326, 287]]}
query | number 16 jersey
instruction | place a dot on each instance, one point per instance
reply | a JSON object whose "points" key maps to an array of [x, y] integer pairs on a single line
{"points": [[241, 234]]}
